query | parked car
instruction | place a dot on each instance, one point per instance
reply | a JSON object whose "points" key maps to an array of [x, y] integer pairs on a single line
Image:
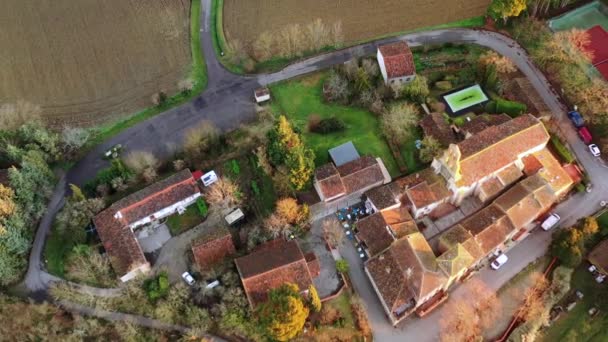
{"points": [[585, 135], [576, 118], [595, 151], [499, 261], [212, 284], [209, 178], [550, 221], [188, 278]]}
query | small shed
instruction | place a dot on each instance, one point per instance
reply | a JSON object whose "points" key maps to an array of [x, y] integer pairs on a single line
{"points": [[235, 216], [599, 257], [262, 95], [344, 153]]}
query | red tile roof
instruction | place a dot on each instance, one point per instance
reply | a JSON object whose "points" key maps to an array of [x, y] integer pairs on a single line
{"points": [[384, 196], [406, 272], [498, 146], [372, 231], [400, 221], [118, 239], [436, 126], [398, 59], [348, 178], [212, 246], [270, 266]]}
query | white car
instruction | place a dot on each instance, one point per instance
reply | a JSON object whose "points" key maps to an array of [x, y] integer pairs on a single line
{"points": [[594, 150], [188, 278], [209, 178], [499, 261], [550, 221]]}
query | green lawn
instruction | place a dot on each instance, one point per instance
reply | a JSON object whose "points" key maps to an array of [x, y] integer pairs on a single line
{"points": [[198, 74], [180, 223], [56, 250], [576, 325], [299, 98]]}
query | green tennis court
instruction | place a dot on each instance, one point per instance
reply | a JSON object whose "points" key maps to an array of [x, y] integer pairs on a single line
{"points": [[583, 18], [465, 98]]}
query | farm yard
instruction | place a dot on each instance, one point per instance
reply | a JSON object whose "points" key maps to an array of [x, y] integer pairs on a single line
{"points": [[360, 19], [89, 62]]}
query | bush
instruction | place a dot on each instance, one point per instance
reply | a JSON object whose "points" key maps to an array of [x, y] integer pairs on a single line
{"points": [[342, 266], [329, 125], [511, 108], [561, 149], [105, 176], [255, 188], [202, 207], [157, 287]]}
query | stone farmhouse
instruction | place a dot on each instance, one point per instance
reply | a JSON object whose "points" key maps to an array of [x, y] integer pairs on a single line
{"points": [[117, 224]]}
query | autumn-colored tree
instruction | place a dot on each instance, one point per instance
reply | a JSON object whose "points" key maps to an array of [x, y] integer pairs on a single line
{"points": [[293, 213], [430, 149], [567, 246], [590, 227], [465, 318], [533, 303], [283, 315], [275, 225], [287, 137], [301, 163], [503, 64], [505, 9], [7, 206], [313, 296]]}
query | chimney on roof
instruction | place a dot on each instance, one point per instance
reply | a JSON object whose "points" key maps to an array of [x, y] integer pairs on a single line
{"points": [[118, 215], [387, 270]]}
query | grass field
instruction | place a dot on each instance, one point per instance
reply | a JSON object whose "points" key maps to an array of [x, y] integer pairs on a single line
{"points": [[465, 98], [360, 19], [88, 62], [300, 98]]}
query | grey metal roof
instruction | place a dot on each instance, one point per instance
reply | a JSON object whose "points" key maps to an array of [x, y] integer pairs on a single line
{"points": [[344, 153]]}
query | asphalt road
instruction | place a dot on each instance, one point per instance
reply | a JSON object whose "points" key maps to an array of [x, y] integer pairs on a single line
{"points": [[227, 102]]}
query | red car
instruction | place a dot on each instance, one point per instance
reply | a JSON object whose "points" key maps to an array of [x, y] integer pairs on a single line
{"points": [[585, 135]]}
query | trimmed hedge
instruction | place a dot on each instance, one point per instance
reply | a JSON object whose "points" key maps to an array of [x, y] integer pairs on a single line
{"points": [[561, 149], [511, 108]]}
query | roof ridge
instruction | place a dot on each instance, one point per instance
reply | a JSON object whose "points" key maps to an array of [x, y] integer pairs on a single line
{"points": [[501, 140], [164, 190]]}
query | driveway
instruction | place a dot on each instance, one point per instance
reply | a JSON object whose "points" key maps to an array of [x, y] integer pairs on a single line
{"points": [[328, 282], [174, 255]]}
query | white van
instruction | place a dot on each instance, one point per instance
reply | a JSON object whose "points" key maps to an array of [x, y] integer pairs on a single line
{"points": [[550, 221], [499, 261]]}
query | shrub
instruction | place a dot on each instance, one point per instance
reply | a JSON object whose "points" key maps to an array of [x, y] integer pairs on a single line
{"points": [[342, 266], [511, 108], [234, 167], [561, 149], [255, 188], [157, 287], [202, 207], [329, 125], [116, 170]]}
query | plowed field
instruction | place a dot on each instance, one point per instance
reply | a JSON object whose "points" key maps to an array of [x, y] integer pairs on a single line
{"points": [[361, 19], [89, 61]]}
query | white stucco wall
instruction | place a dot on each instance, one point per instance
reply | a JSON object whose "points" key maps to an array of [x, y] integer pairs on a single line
{"points": [[141, 269], [166, 211]]}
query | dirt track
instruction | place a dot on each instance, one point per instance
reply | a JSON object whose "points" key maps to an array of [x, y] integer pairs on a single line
{"points": [[361, 19], [88, 61]]}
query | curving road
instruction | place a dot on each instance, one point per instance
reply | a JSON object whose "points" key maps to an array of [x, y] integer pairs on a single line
{"points": [[227, 102]]}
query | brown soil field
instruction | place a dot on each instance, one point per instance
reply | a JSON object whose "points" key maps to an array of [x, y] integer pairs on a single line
{"points": [[245, 20], [86, 62]]}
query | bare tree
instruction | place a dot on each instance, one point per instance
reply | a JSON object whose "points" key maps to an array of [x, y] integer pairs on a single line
{"points": [[398, 121], [138, 161], [224, 193], [74, 138], [333, 232], [200, 138], [465, 318]]}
